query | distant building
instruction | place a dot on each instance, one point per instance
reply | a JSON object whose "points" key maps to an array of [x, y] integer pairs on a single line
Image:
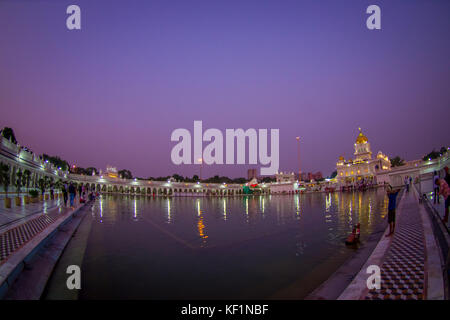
{"points": [[308, 176], [316, 176], [285, 177], [111, 172], [252, 174], [363, 166]]}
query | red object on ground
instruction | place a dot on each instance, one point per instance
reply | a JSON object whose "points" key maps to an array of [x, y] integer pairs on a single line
{"points": [[352, 238]]}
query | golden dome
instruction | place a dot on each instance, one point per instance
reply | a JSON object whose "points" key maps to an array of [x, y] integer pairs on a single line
{"points": [[341, 158], [361, 137]]}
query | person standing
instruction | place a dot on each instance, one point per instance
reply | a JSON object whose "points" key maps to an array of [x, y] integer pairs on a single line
{"points": [[406, 183], [64, 191], [447, 176], [392, 196], [436, 187], [445, 193], [71, 194]]}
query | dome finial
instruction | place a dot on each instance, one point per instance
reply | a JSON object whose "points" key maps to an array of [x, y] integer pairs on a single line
{"points": [[361, 137]]}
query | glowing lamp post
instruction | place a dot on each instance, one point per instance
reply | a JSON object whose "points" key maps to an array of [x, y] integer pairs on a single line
{"points": [[298, 155]]}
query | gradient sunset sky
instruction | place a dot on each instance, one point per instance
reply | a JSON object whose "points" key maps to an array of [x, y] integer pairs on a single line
{"points": [[113, 92]]}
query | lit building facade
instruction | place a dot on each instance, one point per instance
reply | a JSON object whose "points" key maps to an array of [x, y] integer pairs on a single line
{"points": [[363, 167], [112, 172], [285, 177]]}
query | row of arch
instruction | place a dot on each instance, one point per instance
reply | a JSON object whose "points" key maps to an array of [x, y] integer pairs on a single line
{"points": [[34, 175], [30, 176], [157, 191]]}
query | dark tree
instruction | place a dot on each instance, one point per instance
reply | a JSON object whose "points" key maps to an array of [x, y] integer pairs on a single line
{"points": [[79, 170], [56, 161], [161, 178], [42, 185], [397, 162], [27, 177], [4, 177], [89, 171], [8, 133], [243, 180], [177, 177], [435, 154], [268, 179], [125, 174]]}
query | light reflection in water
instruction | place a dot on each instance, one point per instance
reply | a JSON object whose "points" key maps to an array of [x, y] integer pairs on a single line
{"points": [[350, 212], [169, 211], [246, 206], [224, 209], [101, 208], [297, 205], [200, 224], [299, 245], [360, 205], [263, 204], [328, 202]]}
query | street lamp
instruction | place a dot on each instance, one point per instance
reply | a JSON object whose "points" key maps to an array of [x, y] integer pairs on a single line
{"points": [[298, 155]]}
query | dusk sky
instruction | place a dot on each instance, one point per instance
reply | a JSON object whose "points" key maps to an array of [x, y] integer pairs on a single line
{"points": [[113, 92]]}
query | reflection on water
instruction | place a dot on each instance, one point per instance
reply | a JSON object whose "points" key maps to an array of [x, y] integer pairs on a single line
{"points": [[240, 247]]}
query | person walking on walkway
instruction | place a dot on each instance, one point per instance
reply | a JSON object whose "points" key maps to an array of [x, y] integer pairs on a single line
{"points": [[392, 196], [445, 193], [407, 183], [436, 187], [72, 194]]}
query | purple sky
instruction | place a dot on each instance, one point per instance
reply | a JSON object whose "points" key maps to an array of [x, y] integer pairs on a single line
{"points": [[113, 92]]}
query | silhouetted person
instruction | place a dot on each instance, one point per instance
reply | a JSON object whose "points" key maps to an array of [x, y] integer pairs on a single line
{"points": [[436, 187], [447, 176], [392, 195], [445, 193], [72, 192], [64, 191]]}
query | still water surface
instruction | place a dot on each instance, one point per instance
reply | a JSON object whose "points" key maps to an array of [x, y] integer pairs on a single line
{"points": [[221, 248]]}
